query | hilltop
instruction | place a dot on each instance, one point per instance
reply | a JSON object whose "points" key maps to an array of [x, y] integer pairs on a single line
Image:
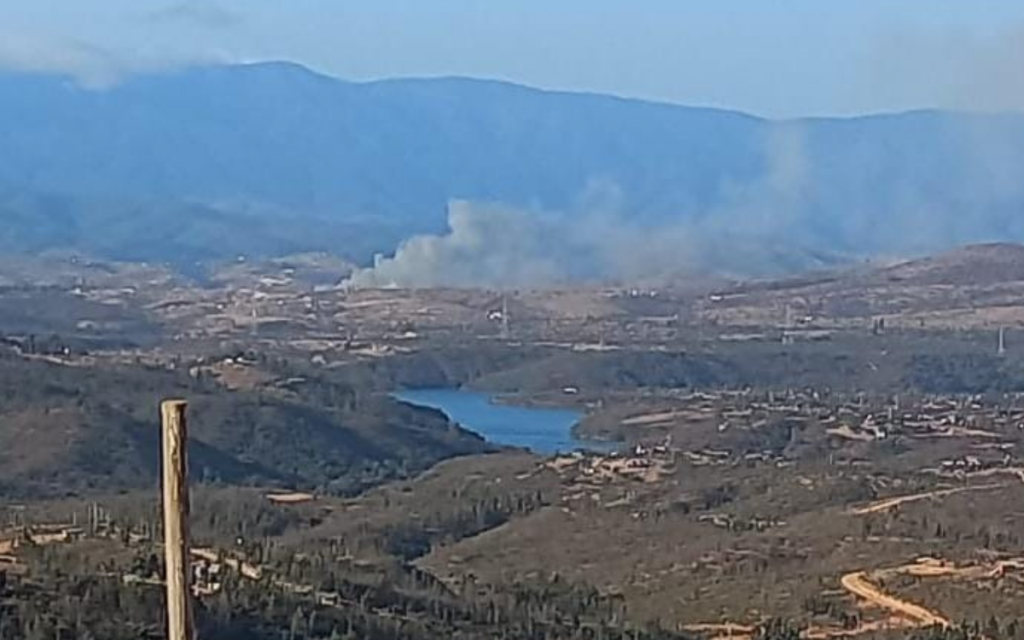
{"points": [[978, 264], [970, 287]]}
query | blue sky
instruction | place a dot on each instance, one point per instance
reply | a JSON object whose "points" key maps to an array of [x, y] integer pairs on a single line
{"points": [[781, 58]]}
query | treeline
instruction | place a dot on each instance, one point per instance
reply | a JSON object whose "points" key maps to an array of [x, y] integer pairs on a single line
{"points": [[63, 604], [71, 595]]}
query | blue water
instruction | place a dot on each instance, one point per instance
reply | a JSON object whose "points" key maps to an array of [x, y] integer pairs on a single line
{"points": [[539, 429]]}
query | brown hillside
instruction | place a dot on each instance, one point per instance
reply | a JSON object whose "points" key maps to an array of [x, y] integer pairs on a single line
{"points": [[977, 264]]}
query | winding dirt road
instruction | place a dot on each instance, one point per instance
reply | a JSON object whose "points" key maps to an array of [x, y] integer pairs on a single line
{"points": [[858, 584]]}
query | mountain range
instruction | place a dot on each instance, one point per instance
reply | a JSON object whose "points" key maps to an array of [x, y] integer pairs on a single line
{"points": [[266, 159]]}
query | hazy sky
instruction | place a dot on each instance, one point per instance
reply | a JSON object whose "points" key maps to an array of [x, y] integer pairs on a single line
{"points": [[772, 57]]}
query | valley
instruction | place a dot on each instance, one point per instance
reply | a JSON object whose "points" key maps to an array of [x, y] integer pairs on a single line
{"points": [[770, 466]]}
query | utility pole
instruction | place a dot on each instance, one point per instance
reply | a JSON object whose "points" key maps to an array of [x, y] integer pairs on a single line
{"points": [[505, 320], [254, 327], [787, 336], [176, 510]]}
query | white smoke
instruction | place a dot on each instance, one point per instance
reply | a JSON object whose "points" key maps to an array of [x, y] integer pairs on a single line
{"points": [[485, 245], [496, 246], [90, 65]]}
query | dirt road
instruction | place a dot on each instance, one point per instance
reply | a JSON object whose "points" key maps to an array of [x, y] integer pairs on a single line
{"points": [[723, 630], [858, 584], [890, 503]]}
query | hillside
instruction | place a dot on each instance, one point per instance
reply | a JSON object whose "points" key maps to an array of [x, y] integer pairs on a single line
{"points": [[75, 430], [976, 286], [269, 159], [979, 264]]}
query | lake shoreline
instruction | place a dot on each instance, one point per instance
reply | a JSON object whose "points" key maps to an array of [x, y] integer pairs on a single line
{"points": [[541, 427]]}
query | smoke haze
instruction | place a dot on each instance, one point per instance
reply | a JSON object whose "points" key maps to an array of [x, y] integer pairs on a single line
{"points": [[801, 213], [202, 13], [92, 66], [493, 245], [953, 69]]}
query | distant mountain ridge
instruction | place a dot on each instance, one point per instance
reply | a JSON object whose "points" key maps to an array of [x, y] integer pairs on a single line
{"points": [[209, 162]]}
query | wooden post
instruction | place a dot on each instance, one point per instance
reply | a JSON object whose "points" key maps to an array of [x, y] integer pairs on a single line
{"points": [[176, 510]]}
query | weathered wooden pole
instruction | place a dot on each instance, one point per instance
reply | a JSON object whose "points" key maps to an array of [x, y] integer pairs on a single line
{"points": [[176, 510]]}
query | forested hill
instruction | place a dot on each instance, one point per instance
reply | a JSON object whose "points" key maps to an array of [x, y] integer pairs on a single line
{"points": [[85, 430], [213, 161]]}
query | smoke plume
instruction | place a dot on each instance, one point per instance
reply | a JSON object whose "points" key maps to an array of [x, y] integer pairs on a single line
{"points": [[494, 245], [810, 207]]}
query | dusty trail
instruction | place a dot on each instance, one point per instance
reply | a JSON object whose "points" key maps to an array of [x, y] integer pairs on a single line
{"points": [[905, 613], [858, 584], [899, 613], [890, 503], [724, 630], [256, 573], [1017, 472]]}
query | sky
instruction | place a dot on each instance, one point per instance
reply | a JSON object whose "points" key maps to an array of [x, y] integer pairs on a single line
{"points": [[775, 58]]}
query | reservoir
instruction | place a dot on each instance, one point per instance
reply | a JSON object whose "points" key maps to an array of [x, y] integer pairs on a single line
{"points": [[541, 430]]}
